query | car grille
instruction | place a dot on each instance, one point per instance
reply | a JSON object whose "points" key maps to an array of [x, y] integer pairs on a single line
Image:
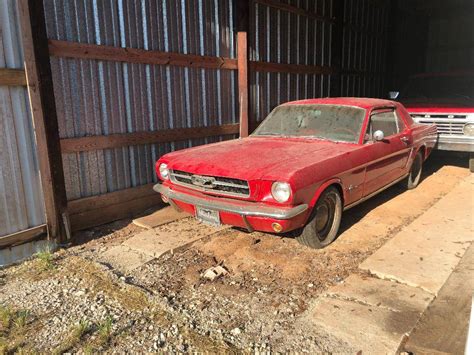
{"points": [[221, 185], [447, 124]]}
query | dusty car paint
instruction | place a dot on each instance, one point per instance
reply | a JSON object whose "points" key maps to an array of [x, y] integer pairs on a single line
{"points": [[309, 165]]}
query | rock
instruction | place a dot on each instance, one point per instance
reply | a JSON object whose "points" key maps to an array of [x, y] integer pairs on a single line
{"points": [[214, 273], [235, 331]]}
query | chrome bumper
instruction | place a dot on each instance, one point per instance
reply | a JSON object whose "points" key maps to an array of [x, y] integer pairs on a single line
{"points": [[459, 144], [243, 208]]}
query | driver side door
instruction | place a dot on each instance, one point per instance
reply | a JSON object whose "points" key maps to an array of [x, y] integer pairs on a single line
{"points": [[389, 156]]}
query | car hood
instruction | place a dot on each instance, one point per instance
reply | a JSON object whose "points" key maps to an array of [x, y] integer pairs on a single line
{"points": [[255, 157]]}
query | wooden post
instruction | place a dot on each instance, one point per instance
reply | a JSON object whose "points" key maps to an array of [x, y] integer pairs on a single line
{"points": [[242, 65], [43, 109], [336, 47]]}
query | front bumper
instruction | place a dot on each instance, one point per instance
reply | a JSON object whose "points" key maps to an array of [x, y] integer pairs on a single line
{"points": [[455, 143], [250, 215]]}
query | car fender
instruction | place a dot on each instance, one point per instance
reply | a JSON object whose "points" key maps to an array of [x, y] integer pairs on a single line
{"points": [[324, 186]]}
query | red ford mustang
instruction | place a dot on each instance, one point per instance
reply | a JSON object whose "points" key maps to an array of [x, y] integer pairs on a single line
{"points": [[306, 163]]}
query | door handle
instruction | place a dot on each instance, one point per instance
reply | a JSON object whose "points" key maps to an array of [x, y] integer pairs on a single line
{"points": [[405, 139]]}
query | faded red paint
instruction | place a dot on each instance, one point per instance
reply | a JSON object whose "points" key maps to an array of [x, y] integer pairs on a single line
{"points": [[308, 165]]}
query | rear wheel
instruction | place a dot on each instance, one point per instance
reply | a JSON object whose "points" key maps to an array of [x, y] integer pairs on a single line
{"points": [[325, 219], [414, 176]]}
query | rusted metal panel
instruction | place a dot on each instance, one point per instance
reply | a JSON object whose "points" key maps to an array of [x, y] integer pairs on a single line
{"points": [[21, 200], [101, 97]]}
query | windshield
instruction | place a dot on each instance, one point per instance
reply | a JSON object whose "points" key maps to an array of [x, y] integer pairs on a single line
{"points": [[439, 88], [336, 123]]}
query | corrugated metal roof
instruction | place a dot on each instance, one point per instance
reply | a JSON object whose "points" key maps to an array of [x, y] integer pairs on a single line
{"points": [[21, 201]]}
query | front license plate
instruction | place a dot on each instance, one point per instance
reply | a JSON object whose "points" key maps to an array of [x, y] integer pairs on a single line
{"points": [[208, 216]]}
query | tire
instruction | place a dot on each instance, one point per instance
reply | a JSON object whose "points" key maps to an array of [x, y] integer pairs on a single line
{"points": [[322, 228], [471, 162], [414, 176]]}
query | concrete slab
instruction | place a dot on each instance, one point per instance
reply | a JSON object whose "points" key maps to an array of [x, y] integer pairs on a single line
{"points": [[372, 330], [379, 293], [443, 327], [124, 258], [159, 241], [165, 215], [426, 252]]}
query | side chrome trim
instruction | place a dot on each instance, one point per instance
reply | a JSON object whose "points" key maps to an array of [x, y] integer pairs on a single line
{"points": [[363, 199], [243, 208]]}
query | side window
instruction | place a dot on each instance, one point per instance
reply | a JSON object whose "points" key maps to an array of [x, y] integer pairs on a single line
{"points": [[386, 121]]}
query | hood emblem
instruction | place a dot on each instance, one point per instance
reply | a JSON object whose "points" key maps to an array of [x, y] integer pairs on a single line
{"points": [[203, 181]]}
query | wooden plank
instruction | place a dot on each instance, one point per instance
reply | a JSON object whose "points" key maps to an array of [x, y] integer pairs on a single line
{"points": [[242, 58], [12, 77], [293, 9], [43, 109], [290, 68], [114, 212], [111, 198], [22, 236], [134, 55], [71, 145]]}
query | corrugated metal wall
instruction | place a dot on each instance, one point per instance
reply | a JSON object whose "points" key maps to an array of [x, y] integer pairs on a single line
{"points": [[21, 202], [279, 36], [450, 42], [103, 97], [365, 45], [97, 97]]}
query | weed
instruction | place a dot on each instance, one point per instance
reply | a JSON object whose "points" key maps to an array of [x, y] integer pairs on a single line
{"points": [[5, 317], [105, 329], [21, 318], [81, 328], [46, 258], [77, 332]]}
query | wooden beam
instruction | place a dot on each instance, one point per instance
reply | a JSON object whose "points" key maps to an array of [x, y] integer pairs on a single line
{"points": [[81, 144], [97, 210], [290, 68], [293, 9], [112, 198], [43, 108], [22, 236], [133, 55], [12, 77]]}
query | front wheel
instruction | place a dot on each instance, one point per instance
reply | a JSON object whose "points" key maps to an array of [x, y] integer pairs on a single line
{"points": [[324, 222]]}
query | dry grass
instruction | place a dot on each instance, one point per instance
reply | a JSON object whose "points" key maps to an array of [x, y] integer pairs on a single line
{"points": [[77, 332], [13, 326]]}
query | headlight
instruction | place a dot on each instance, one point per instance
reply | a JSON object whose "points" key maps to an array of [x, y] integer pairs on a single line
{"points": [[468, 129], [164, 172], [281, 191]]}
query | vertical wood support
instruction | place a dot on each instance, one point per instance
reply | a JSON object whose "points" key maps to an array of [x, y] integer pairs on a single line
{"points": [[43, 109], [242, 64], [336, 46]]}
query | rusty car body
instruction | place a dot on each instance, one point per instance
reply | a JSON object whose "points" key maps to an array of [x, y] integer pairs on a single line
{"points": [[307, 162]]}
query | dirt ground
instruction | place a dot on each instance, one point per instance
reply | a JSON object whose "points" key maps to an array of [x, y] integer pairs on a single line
{"points": [[75, 302]]}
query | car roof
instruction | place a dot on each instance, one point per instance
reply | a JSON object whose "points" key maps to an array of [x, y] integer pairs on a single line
{"points": [[362, 102]]}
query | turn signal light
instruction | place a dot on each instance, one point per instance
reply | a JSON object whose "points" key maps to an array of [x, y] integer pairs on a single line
{"points": [[277, 227]]}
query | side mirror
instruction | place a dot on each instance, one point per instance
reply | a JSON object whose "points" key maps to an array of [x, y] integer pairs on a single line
{"points": [[378, 136], [393, 95]]}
